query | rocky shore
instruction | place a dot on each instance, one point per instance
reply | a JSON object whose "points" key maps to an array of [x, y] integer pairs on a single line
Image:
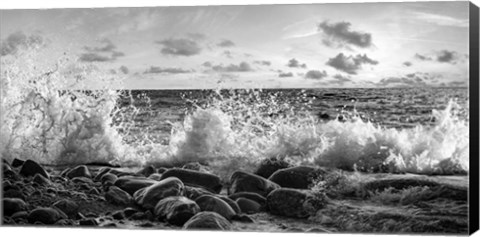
{"points": [[276, 197]]}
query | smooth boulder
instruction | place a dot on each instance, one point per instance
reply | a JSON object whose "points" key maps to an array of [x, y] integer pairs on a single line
{"points": [[30, 168], [215, 204], [299, 177], [149, 197], [12, 205], [295, 202], [207, 220], [252, 196], [68, 207], [176, 210], [79, 171], [268, 166], [245, 182], [115, 195], [131, 184], [248, 206], [195, 178], [45, 215]]}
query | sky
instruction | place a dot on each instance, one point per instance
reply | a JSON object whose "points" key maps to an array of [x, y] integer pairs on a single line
{"points": [[408, 44]]}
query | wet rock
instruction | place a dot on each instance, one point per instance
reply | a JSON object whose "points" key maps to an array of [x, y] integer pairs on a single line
{"points": [[252, 196], [248, 206], [20, 215], [147, 171], [79, 171], [30, 168], [68, 207], [268, 166], [243, 218], [195, 192], [129, 211], [176, 210], [13, 205], [197, 167], [45, 215], [82, 180], [14, 193], [101, 172], [230, 202], [155, 176], [215, 204], [64, 172], [88, 222], [195, 178], [108, 177], [118, 215], [40, 180], [207, 220], [294, 202], [245, 182], [131, 184], [161, 170], [65, 222], [94, 191], [148, 197], [299, 177], [17, 163], [117, 196]]}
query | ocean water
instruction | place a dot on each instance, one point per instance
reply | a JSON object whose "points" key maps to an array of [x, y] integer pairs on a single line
{"points": [[417, 130]]}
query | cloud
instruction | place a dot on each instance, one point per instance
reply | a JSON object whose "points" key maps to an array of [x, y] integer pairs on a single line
{"points": [[20, 40], [263, 62], [442, 56], [342, 78], [179, 47], [441, 20], [339, 34], [156, 70], [196, 36], [417, 79], [296, 64], [124, 69], [226, 43], [227, 53], [285, 74], [407, 64], [207, 64], [242, 67], [350, 64], [315, 74], [99, 54]]}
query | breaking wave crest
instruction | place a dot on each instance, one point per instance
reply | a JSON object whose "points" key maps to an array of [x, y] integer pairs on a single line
{"points": [[46, 116]]}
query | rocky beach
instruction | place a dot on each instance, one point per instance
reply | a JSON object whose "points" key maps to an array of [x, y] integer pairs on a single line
{"points": [[276, 197]]}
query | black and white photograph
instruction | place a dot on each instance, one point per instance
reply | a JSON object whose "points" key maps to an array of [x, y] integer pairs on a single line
{"points": [[309, 118]]}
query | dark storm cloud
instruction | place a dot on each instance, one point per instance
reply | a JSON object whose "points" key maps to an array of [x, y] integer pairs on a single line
{"points": [[179, 47], [442, 56], [339, 34], [263, 62], [407, 64], [350, 64], [315, 74], [19, 40], [105, 53], [242, 67], [296, 64], [124, 69], [226, 43], [156, 70], [285, 74]]}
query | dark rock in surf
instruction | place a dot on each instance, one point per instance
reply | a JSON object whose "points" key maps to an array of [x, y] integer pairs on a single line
{"points": [[155, 176], [17, 163], [129, 211], [131, 184], [115, 195], [195, 178], [195, 192], [12, 205], [252, 196], [294, 202], [79, 171], [40, 180], [147, 171], [245, 182], [248, 206], [108, 178], [176, 210], [207, 220], [82, 180], [45, 215], [102, 171], [299, 177], [88, 222], [149, 197], [161, 170], [215, 204], [268, 166], [30, 168], [68, 207]]}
